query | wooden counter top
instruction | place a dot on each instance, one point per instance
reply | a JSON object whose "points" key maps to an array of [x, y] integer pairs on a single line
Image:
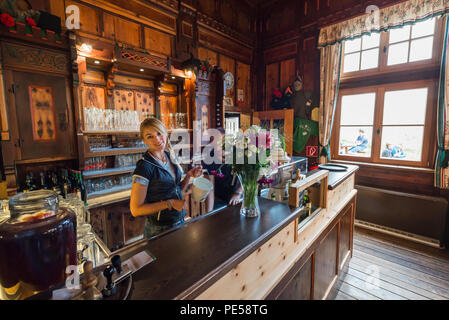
{"points": [[337, 177], [189, 260]]}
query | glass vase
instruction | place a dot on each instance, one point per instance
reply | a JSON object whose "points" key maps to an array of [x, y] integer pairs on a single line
{"points": [[250, 204]]}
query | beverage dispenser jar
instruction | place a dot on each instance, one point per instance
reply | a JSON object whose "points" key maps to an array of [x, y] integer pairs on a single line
{"points": [[37, 243]]}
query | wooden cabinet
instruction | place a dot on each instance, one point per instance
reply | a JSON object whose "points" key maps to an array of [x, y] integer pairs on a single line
{"points": [[42, 105], [300, 286], [314, 275], [115, 225], [325, 271], [346, 236], [279, 119]]}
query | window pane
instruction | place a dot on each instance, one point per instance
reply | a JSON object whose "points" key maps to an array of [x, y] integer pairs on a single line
{"points": [[352, 45], [404, 143], [351, 62], [398, 53], [371, 41], [425, 28], [356, 141], [421, 49], [405, 107], [370, 59], [357, 109], [399, 34]]}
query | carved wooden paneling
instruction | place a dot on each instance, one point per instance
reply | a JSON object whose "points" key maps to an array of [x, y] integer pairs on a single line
{"points": [[108, 26], [138, 11], [89, 17], [132, 81], [93, 77], [34, 58], [288, 73], [57, 8], [225, 45], [187, 29], [204, 53], [127, 32], [168, 104], [41, 104], [243, 84], [228, 65], [133, 227], [280, 52], [141, 59], [272, 81], [158, 41]]}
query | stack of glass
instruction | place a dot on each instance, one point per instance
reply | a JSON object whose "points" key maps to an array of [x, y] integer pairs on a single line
{"points": [[4, 211]]}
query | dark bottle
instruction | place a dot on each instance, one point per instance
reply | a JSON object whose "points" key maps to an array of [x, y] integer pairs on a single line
{"points": [[43, 181], [82, 187], [64, 183], [49, 180], [55, 183], [30, 183]]}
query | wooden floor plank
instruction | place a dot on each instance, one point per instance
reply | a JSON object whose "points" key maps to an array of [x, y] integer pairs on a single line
{"points": [[397, 267], [378, 281], [403, 243], [404, 281], [355, 292], [343, 296], [405, 270], [403, 251], [401, 261], [378, 292], [412, 262]]}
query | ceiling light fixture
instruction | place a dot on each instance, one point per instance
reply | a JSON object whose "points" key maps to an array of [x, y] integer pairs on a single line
{"points": [[86, 47], [97, 61]]}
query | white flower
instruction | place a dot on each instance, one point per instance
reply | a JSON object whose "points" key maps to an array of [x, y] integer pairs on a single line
{"points": [[253, 148], [240, 144]]}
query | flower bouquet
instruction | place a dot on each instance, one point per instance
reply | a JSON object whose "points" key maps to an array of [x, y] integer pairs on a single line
{"points": [[248, 152]]}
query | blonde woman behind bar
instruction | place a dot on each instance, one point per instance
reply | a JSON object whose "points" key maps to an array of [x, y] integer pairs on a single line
{"points": [[157, 189]]}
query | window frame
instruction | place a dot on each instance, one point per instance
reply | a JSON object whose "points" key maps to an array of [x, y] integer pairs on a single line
{"points": [[383, 56], [428, 148]]}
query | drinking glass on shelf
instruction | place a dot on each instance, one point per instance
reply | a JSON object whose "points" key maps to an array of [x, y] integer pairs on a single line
{"points": [[171, 121]]}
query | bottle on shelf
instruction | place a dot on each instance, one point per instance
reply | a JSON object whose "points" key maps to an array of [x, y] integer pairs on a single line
{"points": [[307, 202], [43, 181], [82, 187]]}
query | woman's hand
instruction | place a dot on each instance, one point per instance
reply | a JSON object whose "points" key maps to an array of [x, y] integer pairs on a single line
{"points": [[195, 172], [235, 199], [177, 204]]}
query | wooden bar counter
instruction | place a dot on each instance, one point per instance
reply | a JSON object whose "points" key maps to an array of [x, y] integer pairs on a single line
{"points": [[224, 255]]}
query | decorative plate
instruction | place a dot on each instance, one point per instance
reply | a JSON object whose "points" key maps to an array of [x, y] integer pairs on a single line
{"points": [[229, 80]]}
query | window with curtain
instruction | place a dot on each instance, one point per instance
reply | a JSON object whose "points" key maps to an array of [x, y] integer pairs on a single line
{"points": [[388, 96]]}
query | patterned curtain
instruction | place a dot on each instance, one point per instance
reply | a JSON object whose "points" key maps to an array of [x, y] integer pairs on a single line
{"points": [[441, 166], [329, 83], [407, 12]]}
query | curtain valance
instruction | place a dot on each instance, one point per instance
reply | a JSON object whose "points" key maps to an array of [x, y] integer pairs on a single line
{"points": [[397, 15]]}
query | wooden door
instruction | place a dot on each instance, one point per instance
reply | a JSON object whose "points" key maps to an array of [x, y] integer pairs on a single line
{"points": [[325, 273], [43, 116], [299, 287], [346, 234]]}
